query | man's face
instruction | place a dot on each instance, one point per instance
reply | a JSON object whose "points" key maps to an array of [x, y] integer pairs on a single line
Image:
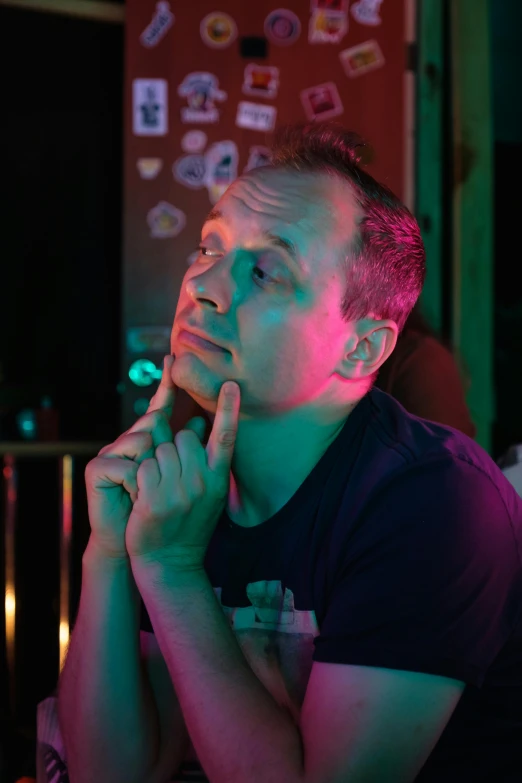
{"points": [[267, 288]]}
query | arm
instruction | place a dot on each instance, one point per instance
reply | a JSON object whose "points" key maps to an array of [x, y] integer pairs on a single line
{"points": [[107, 712], [241, 734]]}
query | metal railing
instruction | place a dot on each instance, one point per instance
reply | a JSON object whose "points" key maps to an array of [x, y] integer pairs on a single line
{"points": [[12, 453]]}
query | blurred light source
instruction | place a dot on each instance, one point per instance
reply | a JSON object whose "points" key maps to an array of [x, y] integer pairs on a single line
{"points": [[143, 372]]}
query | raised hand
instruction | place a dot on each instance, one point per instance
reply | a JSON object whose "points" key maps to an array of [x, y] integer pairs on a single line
{"points": [[111, 477], [182, 489]]}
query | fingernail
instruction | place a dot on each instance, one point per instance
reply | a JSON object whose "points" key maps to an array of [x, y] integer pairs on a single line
{"points": [[230, 388]]}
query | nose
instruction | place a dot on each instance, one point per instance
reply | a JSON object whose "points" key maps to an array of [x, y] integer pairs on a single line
{"points": [[213, 288]]}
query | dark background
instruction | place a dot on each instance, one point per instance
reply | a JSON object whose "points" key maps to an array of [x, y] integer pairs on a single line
{"points": [[60, 260]]}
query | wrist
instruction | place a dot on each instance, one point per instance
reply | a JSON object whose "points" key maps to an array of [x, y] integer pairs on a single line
{"points": [[97, 557]]}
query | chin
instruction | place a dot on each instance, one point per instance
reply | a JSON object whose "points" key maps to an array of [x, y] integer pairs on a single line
{"points": [[198, 380]]}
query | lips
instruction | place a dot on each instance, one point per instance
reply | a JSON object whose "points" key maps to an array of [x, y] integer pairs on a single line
{"points": [[198, 331], [199, 340]]}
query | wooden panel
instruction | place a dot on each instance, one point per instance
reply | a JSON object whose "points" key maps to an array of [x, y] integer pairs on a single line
{"points": [[430, 153], [472, 327]]}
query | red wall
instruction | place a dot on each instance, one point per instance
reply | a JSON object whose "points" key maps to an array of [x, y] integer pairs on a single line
{"points": [[372, 100]]}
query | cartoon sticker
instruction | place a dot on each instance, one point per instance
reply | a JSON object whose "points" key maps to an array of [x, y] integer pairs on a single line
{"points": [[194, 141], [282, 27], [258, 156], [218, 30], [221, 161], [340, 6], [162, 19], [327, 27], [149, 168], [322, 102], [255, 116], [150, 108], [201, 90], [362, 58], [165, 220], [261, 80], [190, 170], [367, 12]]}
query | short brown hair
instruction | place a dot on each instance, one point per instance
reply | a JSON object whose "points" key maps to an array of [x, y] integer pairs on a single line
{"points": [[385, 265]]}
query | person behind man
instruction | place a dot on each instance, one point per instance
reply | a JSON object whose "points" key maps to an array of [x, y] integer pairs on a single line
{"points": [[331, 588], [423, 376]]}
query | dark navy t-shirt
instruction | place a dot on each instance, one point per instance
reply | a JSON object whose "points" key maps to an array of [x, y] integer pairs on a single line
{"points": [[402, 549]]}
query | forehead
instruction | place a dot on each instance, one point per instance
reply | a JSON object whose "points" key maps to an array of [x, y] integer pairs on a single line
{"points": [[308, 203]]}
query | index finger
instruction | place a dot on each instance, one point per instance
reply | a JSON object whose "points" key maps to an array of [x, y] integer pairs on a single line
{"points": [[165, 395], [221, 442]]}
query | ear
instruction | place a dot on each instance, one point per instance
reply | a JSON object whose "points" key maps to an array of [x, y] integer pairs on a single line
{"points": [[369, 345]]}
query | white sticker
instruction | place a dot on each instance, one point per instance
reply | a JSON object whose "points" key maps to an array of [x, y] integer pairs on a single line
{"points": [[201, 91], [362, 58], [258, 156], [261, 81], [221, 160], [162, 19], [149, 168], [367, 12], [190, 170], [194, 141], [150, 108], [255, 116], [327, 27], [165, 220]]}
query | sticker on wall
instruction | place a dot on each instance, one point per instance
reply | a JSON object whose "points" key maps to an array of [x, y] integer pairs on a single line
{"points": [[221, 159], [261, 81], [282, 27], [362, 58], [321, 102], [162, 20], [327, 27], [149, 168], [339, 6], [255, 116], [258, 156], [201, 91], [165, 220], [367, 12], [218, 30], [190, 170], [150, 108], [194, 141]]}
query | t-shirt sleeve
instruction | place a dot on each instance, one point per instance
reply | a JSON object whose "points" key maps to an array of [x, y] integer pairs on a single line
{"points": [[431, 579]]}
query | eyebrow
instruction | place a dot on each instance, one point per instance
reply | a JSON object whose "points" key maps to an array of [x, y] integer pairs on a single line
{"points": [[274, 239]]}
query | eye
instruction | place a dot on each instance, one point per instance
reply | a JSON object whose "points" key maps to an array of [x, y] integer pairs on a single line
{"points": [[265, 278], [207, 252]]}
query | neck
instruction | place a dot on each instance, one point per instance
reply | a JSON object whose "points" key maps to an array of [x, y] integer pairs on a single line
{"points": [[274, 455]]}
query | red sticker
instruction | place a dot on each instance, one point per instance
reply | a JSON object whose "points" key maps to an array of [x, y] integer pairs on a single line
{"points": [[322, 102]]}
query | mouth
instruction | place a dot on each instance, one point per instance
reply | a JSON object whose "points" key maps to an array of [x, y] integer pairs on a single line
{"points": [[193, 340]]}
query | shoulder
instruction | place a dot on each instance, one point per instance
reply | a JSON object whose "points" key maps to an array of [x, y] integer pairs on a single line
{"points": [[412, 465]]}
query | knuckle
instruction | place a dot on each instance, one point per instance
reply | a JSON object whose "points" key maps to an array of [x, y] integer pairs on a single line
{"points": [[227, 438]]}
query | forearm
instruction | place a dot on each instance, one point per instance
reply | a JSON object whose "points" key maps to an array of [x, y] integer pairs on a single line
{"points": [[106, 710], [238, 730]]}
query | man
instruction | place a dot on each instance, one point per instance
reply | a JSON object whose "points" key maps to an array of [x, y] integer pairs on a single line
{"points": [[331, 587]]}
